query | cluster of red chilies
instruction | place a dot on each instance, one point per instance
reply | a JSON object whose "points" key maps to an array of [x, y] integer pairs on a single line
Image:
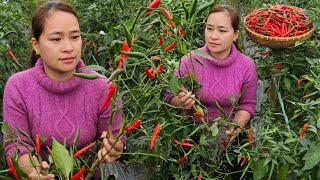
{"points": [[278, 21]]}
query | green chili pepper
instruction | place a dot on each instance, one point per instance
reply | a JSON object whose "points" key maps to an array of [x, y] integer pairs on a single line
{"points": [[115, 74], [86, 76], [134, 54]]}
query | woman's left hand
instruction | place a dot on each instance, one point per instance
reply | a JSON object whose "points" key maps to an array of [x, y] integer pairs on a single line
{"points": [[233, 133], [112, 148], [242, 117]]}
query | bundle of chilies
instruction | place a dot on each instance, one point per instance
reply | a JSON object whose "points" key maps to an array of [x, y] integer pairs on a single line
{"points": [[279, 21]]}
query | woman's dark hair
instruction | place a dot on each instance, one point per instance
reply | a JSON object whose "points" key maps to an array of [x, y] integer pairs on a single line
{"points": [[38, 20], [233, 14]]}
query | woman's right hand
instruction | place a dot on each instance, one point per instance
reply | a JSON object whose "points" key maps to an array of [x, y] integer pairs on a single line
{"points": [[186, 99], [41, 173]]}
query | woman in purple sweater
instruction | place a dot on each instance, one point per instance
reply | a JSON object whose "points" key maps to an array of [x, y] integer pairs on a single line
{"points": [[229, 74], [48, 100]]}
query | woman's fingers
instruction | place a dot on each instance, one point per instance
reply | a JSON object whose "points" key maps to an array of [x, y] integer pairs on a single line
{"points": [[233, 132], [117, 143], [104, 156], [45, 167], [104, 134], [189, 102], [111, 148], [181, 94], [35, 174], [186, 99], [229, 132]]}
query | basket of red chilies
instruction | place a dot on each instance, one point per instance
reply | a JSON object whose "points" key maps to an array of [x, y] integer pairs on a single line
{"points": [[278, 26]]}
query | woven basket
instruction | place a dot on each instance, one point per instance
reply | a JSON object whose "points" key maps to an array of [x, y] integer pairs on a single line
{"points": [[276, 42]]}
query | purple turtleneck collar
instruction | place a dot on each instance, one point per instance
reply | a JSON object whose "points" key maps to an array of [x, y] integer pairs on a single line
{"points": [[234, 53], [56, 87]]}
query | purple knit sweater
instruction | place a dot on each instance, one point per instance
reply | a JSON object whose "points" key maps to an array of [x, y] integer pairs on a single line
{"points": [[38, 105], [221, 80]]}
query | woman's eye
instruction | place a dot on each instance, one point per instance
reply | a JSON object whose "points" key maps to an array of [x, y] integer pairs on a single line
{"points": [[75, 37], [223, 31], [209, 28], [56, 39]]}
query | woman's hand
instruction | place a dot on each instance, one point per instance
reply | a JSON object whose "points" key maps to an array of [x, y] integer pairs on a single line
{"points": [[41, 173], [233, 133], [184, 99], [241, 118], [112, 148]]}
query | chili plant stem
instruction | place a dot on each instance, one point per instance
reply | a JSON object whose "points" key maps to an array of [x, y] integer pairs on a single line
{"points": [[281, 103]]}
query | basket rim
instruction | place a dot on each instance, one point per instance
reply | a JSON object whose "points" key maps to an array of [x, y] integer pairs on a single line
{"points": [[294, 38]]}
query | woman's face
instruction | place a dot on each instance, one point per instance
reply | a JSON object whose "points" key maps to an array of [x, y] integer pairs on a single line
{"points": [[59, 44], [220, 35]]}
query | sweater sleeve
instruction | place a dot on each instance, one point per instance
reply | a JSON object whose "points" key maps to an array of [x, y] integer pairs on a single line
{"points": [[248, 100], [15, 114], [105, 115]]}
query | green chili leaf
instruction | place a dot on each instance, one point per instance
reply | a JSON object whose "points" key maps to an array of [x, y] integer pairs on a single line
{"points": [[62, 158], [174, 87], [203, 7], [201, 53], [4, 127], [311, 158], [192, 8]]}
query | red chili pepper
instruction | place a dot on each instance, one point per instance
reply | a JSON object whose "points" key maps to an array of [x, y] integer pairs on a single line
{"points": [[166, 31], [159, 69], [283, 28], [172, 24], [149, 73], [184, 144], [133, 126], [125, 47], [120, 65], [161, 40], [154, 136], [303, 130], [171, 46], [197, 114], [83, 150], [225, 142], [182, 159], [199, 177], [251, 137], [277, 66], [187, 145], [154, 4], [12, 169], [38, 143], [14, 58], [243, 161], [112, 90], [79, 175], [299, 82], [166, 13]]}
